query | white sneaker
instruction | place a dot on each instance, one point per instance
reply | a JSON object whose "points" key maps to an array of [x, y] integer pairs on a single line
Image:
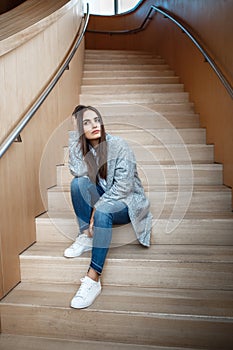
{"points": [[87, 293], [82, 244]]}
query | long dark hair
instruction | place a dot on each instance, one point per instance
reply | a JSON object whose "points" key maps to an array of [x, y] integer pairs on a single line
{"points": [[94, 171]]}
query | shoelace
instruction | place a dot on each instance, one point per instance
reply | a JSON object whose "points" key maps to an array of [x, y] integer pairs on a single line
{"points": [[75, 243], [81, 239], [84, 285]]}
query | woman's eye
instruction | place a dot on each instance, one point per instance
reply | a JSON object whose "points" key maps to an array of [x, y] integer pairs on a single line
{"points": [[89, 122]]}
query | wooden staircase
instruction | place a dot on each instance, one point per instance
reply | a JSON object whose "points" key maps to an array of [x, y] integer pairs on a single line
{"points": [[178, 294]]}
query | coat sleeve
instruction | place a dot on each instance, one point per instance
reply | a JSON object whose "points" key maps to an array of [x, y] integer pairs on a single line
{"points": [[124, 164], [77, 165]]}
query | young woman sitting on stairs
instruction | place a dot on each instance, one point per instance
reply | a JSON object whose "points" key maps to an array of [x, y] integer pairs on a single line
{"points": [[105, 191]]}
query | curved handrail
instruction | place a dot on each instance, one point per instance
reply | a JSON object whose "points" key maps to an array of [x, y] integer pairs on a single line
{"points": [[168, 15], [64, 65], [127, 31]]}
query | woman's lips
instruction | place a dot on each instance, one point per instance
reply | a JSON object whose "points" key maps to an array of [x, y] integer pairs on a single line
{"points": [[95, 132]]}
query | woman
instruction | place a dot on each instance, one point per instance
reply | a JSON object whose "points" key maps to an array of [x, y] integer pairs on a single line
{"points": [[105, 190]]}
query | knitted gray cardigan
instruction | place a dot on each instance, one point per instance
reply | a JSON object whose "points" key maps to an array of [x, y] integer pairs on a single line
{"points": [[122, 181]]}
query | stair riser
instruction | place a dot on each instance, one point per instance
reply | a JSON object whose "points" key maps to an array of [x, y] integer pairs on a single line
{"points": [[105, 58], [157, 121], [161, 123], [173, 155], [149, 273], [160, 201], [118, 89], [128, 74], [190, 139], [168, 97], [121, 53], [142, 111], [126, 81], [169, 155], [123, 60], [202, 232], [160, 137], [178, 176], [161, 175], [116, 55], [130, 67], [116, 327]]}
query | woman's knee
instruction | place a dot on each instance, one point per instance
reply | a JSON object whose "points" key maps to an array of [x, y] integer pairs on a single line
{"points": [[79, 183], [102, 219]]}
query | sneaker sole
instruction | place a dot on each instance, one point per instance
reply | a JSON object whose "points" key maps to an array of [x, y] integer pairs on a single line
{"points": [[76, 256]]}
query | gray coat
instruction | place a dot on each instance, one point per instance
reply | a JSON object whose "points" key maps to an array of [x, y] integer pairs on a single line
{"points": [[122, 180]]}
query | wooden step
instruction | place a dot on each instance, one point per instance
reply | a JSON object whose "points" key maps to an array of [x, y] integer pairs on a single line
{"points": [[173, 266], [168, 154], [136, 88], [129, 80], [172, 136], [183, 109], [137, 318], [103, 57], [151, 121], [166, 97], [122, 67], [156, 73], [162, 199], [119, 55], [173, 154], [191, 228], [177, 174], [123, 60], [161, 174], [24, 342], [100, 52]]}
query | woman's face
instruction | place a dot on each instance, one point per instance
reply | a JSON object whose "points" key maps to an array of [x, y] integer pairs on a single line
{"points": [[91, 126]]}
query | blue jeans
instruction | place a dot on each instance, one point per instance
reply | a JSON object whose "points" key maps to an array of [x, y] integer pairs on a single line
{"points": [[84, 195]]}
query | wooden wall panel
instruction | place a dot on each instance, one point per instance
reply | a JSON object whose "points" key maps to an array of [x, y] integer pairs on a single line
{"points": [[26, 71], [6, 5], [211, 20]]}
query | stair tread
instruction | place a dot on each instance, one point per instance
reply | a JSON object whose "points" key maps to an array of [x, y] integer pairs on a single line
{"points": [[24, 342], [150, 113], [112, 74], [175, 108], [124, 61], [129, 299], [160, 138], [124, 66], [173, 145], [157, 253], [109, 51], [129, 88], [95, 81], [214, 166], [167, 188], [200, 216], [138, 94]]}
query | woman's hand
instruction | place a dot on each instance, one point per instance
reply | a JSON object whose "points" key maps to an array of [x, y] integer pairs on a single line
{"points": [[91, 223], [74, 122]]}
